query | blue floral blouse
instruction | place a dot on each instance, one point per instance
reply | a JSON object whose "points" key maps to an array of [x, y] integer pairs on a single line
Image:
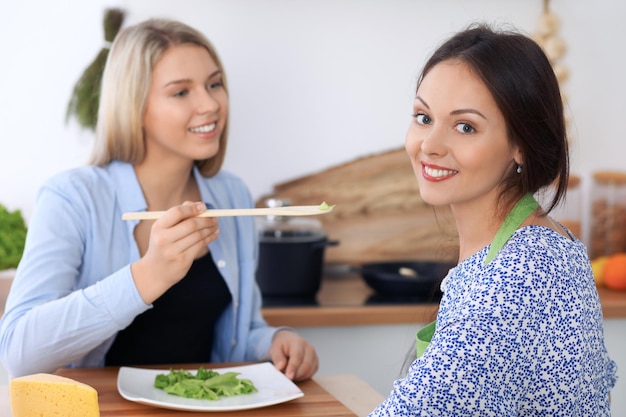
{"points": [[521, 336]]}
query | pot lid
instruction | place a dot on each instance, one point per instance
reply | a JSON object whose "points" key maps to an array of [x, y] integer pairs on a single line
{"points": [[291, 228], [288, 227]]}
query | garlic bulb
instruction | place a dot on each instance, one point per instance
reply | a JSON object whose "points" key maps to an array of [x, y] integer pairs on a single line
{"points": [[548, 24], [547, 38], [555, 48], [561, 72]]}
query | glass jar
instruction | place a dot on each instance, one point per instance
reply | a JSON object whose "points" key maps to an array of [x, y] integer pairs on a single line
{"points": [[608, 214]]}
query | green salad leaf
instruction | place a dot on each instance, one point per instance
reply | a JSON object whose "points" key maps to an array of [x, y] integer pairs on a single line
{"points": [[205, 384]]}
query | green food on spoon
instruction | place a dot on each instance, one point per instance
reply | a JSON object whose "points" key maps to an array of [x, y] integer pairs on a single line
{"points": [[324, 206], [206, 384]]}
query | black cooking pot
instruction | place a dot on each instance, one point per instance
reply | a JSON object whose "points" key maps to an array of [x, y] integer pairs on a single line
{"points": [[406, 278], [291, 257]]}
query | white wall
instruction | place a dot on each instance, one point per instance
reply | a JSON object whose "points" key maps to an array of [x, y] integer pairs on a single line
{"points": [[313, 83]]}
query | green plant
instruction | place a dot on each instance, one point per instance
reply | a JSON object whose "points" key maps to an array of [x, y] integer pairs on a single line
{"points": [[83, 104], [12, 237]]}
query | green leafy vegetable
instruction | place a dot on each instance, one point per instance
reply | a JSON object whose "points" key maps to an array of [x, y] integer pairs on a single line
{"points": [[12, 237], [205, 384], [325, 206]]}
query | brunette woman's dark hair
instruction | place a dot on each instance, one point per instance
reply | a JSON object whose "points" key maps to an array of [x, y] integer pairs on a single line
{"points": [[523, 84]]}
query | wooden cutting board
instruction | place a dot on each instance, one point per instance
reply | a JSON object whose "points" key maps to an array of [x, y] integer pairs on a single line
{"points": [[378, 215]]}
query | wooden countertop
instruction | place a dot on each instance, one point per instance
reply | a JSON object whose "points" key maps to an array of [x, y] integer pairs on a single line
{"points": [[343, 301]]}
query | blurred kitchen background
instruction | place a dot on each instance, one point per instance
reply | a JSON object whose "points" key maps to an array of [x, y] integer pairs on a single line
{"points": [[313, 84]]}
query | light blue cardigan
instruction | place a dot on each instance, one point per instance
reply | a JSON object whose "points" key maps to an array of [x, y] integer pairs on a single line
{"points": [[73, 290]]}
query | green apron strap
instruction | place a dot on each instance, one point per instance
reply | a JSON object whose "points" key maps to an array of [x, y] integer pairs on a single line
{"points": [[520, 211], [423, 338]]}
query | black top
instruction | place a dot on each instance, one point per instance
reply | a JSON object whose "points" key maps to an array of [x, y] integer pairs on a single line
{"points": [[179, 327]]}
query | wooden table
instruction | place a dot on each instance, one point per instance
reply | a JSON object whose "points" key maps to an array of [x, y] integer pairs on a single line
{"points": [[350, 396]]}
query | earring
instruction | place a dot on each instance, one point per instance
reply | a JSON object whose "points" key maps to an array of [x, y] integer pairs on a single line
{"points": [[519, 169]]}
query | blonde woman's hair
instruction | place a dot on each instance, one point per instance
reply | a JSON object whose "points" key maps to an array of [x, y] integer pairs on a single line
{"points": [[125, 84]]}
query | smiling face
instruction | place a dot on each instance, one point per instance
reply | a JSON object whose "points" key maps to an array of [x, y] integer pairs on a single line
{"points": [[186, 107], [457, 140]]}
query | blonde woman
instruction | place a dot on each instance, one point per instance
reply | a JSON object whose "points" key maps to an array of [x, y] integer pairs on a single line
{"points": [[94, 290]]}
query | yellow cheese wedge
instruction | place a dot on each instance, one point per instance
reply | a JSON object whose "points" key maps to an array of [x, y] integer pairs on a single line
{"points": [[52, 396]]}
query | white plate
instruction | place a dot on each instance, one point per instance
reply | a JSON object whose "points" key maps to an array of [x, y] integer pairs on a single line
{"points": [[137, 384]]}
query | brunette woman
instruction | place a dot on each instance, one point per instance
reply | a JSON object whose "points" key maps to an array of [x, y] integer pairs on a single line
{"points": [[519, 330]]}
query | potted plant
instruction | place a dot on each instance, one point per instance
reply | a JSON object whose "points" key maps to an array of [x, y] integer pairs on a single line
{"points": [[83, 103], [12, 238]]}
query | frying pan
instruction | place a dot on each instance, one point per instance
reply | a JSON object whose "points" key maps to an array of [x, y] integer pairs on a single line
{"points": [[406, 278]]}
